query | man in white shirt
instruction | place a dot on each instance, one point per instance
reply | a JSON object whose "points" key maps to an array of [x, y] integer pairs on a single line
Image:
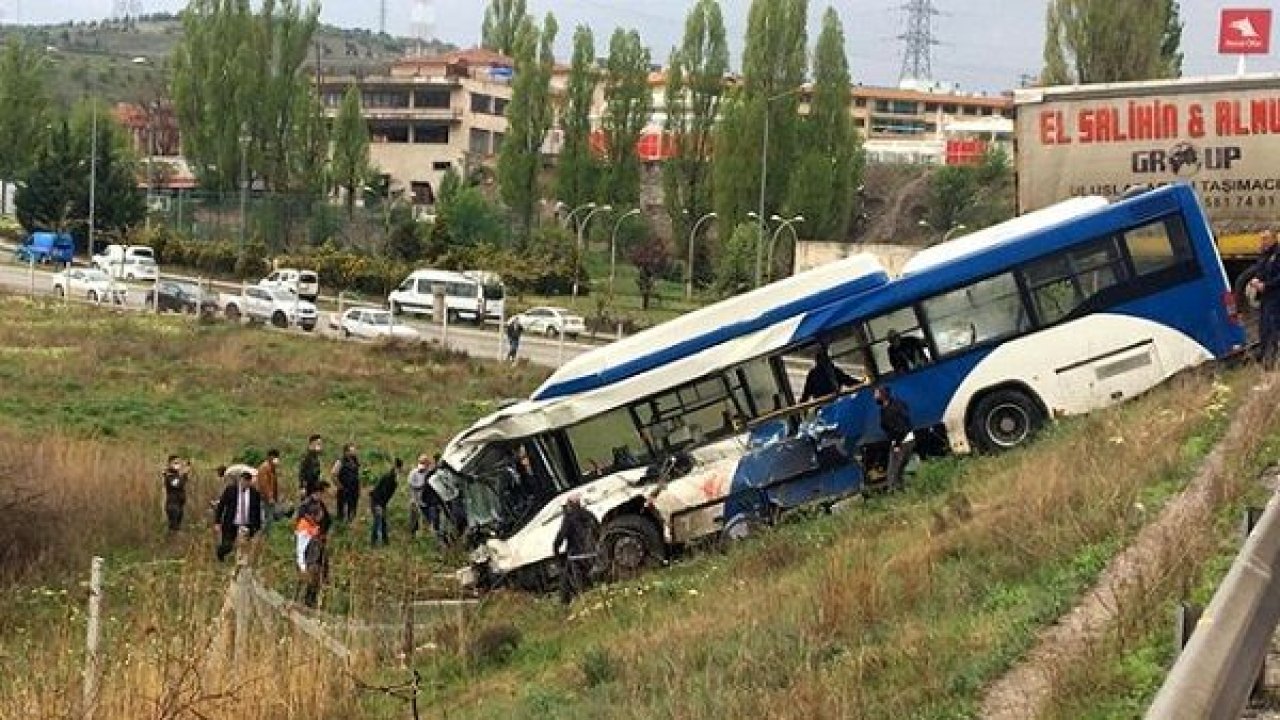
{"points": [[239, 512]]}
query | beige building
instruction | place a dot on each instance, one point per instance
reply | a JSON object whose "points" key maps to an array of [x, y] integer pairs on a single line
{"points": [[430, 114]]}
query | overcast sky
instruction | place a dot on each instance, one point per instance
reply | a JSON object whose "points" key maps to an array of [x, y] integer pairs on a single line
{"points": [[985, 44]]}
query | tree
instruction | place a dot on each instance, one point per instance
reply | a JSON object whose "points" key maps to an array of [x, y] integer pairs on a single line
{"points": [[652, 260], [502, 19], [576, 179], [1101, 41], [471, 220], [773, 67], [952, 191], [628, 104], [694, 89], [238, 77], [823, 186], [24, 106], [55, 195], [735, 268], [528, 120], [350, 147]]}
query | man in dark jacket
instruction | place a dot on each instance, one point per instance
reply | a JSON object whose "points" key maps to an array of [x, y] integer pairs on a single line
{"points": [[346, 473], [239, 512], [379, 499], [575, 546], [309, 468], [1266, 282], [895, 421], [825, 378], [176, 475]]}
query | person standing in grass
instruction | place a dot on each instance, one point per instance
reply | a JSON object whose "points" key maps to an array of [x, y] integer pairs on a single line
{"points": [[239, 513], [309, 553], [309, 468], [268, 485], [346, 474], [575, 546], [895, 421], [514, 330], [176, 475], [380, 500], [1266, 283]]}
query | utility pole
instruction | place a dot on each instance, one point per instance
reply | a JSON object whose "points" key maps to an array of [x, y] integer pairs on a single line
{"points": [[93, 173], [917, 55], [382, 17]]}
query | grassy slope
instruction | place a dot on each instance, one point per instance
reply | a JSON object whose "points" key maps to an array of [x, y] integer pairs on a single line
{"points": [[903, 607]]}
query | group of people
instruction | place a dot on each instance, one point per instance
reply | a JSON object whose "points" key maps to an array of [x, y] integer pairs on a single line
{"points": [[251, 501]]}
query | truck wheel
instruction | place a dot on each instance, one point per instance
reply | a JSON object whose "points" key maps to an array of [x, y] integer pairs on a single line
{"points": [[1003, 420], [279, 319], [629, 544], [93, 296], [233, 313]]}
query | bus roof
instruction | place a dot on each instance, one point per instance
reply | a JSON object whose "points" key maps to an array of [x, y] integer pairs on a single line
{"points": [[1006, 232], [714, 325]]}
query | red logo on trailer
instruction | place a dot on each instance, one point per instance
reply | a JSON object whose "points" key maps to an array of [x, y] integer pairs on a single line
{"points": [[1245, 32]]}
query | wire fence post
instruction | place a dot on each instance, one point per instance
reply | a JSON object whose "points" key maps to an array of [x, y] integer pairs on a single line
{"points": [[502, 327], [92, 636], [560, 347], [241, 599]]}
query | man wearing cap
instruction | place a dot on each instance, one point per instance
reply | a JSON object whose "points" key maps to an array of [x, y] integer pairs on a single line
{"points": [[239, 512], [575, 546]]}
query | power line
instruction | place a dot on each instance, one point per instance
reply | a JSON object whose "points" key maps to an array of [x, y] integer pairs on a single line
{"points": [[917, 54]]}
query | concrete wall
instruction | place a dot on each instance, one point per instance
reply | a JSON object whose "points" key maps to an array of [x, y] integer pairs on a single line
{"points": [[811, 254]]}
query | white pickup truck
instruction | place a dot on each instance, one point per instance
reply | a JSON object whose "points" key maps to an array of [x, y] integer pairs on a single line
{"points": [[277, 306], [303, 282], [127, 262]]}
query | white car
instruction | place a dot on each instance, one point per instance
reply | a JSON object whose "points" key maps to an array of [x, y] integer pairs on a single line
{"points": [[551, 321], [89, 283], [279, 307], [303, 282], [374, 324]]}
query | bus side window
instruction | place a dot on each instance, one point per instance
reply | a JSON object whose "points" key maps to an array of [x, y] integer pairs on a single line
{"points": [[1158, 246], [987, 310], [898, 343]]}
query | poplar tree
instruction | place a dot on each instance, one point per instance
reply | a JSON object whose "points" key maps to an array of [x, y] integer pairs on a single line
{"points": [[24, 107], [502, 20], [694, 90], [528, 120], [1101, 41], [773, 68], [823, 187], [628, 104], [576, 179], [350, 147]]}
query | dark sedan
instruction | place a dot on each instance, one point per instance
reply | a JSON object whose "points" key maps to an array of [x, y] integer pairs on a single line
{"points": [[181, 297]]}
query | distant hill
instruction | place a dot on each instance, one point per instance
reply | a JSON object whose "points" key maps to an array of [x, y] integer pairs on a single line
{"points": [[129, 60]]}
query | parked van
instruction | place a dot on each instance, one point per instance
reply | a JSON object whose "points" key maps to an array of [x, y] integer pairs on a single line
{"points": [[46, 247], [475, 296], [129, 262]]}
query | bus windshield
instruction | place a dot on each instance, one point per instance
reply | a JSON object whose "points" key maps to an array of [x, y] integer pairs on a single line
{"points": [[504, 486]]}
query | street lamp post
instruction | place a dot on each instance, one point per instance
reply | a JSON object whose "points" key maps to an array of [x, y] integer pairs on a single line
{"points": [[613, 246], [244, 184], [782, 224], [946, 235], [693, 239], [764, 176], [93, 175], [577, 264]]}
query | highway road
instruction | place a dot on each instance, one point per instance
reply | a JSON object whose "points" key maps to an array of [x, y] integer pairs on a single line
{"points": [[477, 342]]}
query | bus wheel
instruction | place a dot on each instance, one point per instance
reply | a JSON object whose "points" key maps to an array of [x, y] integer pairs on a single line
{"points": [[629, 544], [1003, 420]]}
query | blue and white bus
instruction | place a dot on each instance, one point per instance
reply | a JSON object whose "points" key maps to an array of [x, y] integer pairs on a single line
{"points": [[696, 427]]}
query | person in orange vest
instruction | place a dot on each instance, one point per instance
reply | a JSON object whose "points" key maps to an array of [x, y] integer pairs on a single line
{"points": [[309, 548]]}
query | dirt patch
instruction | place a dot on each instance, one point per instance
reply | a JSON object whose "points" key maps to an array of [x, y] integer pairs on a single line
{"points": [[1022, 691]]}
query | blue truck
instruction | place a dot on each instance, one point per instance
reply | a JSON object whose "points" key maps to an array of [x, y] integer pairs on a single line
{"points": [[46, 247]]}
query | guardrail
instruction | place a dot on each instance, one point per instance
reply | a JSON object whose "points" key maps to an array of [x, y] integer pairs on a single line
{"points": [[1216, 672]]}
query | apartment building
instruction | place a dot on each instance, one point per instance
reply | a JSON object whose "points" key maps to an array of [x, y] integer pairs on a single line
{"points": [[429, 114]]}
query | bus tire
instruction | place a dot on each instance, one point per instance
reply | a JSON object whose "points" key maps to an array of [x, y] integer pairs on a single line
{"points": [[1004, 419], [629, 544]]}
